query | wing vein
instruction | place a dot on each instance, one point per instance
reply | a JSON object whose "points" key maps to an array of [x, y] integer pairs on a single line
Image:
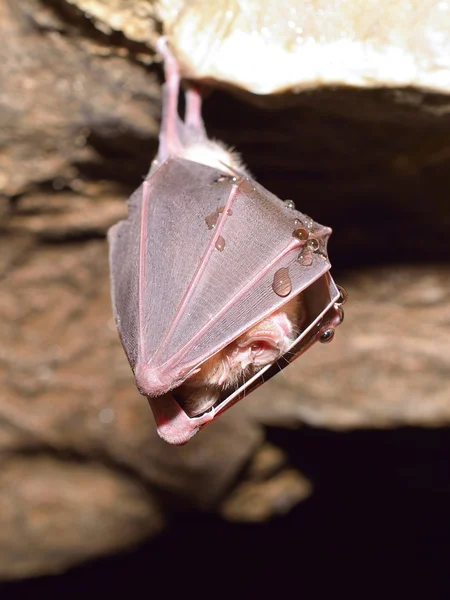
{"points": [[200, 269]]}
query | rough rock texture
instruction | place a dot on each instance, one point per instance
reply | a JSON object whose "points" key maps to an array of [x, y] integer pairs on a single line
{"points": [[79, 110], [307, 43], [40, 495]]}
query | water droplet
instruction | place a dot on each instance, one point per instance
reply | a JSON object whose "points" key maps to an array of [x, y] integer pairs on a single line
{"points": [[211, 220], [305, 258], [297, 222], [309, 223], [313, 243], [289, 204], [300, 234], [220, 244], [327, 336], [340, 313], [343, 295], [282, 284]]}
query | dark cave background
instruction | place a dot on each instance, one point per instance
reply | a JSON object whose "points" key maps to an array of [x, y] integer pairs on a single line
{"points": [[376, 525]]}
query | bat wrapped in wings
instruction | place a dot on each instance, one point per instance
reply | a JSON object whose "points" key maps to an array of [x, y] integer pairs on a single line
{"points": [[213, 277]]}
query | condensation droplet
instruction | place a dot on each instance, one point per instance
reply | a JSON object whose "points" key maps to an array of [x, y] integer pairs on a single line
{"points": [[211, 220], [300, 234], [289, 204], [309, 223], [282, 284], [313, 243], [297, 222], [220, 244], [343, 295], [327, 336], [305, 258]]}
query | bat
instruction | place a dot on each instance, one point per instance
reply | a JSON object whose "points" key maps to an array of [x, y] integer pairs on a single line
{"points": [[213, 278]]}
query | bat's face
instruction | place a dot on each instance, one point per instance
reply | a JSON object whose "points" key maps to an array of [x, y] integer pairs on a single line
{"points": [[261, 345], [214, 279]]}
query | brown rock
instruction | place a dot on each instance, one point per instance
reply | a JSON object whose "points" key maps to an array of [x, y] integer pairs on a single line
{"points": [[255, 501], [270, 488], [55, 513]]}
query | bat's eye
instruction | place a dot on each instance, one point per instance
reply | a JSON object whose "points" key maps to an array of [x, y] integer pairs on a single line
{"points": [[259, 348]]}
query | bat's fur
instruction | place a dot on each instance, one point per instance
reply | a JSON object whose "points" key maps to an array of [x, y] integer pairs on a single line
{"points": [[261, 345], [214, 153]]}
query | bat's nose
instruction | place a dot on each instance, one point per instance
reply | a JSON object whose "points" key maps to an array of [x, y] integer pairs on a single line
{"points": [[173, 424]]}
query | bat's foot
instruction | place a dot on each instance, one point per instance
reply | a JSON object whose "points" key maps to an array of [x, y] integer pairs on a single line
{"points": [[170, 62], [172, 423]]}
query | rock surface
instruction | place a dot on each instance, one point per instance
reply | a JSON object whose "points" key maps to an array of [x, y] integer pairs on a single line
{"points": [[41, 495], [308, 43], [79, 110]]}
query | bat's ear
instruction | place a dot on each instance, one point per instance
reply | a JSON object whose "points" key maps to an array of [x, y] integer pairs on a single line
{"points": [[263, 343]]}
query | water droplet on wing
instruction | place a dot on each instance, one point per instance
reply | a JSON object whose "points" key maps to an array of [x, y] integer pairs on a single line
{"points": [[282, 284], [300, 234], [327, 336], [220, 244], [313, 243], [305, 258]]}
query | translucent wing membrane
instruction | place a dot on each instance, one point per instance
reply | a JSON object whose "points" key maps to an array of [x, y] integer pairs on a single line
{"points": [[205, 254], [204, 251], [204, 263]]}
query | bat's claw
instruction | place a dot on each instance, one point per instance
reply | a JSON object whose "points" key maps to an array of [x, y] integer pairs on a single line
{"points": [[173, 424]]}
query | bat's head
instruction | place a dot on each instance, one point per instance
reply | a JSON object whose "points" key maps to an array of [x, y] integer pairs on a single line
{"points": [[214, 279]]}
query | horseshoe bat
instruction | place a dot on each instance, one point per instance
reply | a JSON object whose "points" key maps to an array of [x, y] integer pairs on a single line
{"points": [[214, 278]]}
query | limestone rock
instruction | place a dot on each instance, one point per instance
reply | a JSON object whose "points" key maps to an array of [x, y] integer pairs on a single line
{"points": [[55, 513]]}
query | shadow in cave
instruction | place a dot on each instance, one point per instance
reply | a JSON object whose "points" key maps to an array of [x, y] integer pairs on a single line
{"points": [[377, 525], [375, 170]]}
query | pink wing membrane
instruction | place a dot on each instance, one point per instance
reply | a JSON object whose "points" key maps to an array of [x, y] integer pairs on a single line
{"points": [[195, 295], [236, 289]]}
